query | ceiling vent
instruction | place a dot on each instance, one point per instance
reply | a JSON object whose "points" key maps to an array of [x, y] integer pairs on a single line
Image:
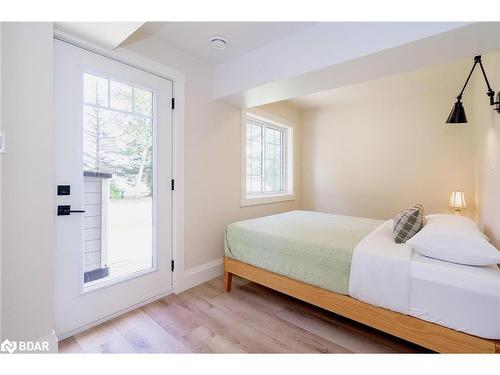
{"points": [[218, 43]]}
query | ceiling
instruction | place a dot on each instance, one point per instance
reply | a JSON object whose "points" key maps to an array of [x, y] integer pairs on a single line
{"points": [[193, 37], [104, 34]]}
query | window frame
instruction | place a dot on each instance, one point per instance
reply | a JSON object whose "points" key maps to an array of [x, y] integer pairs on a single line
{"points": [[287, 127]]}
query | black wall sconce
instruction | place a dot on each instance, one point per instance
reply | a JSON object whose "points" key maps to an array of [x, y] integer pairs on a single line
{"points": [[457, 115]]}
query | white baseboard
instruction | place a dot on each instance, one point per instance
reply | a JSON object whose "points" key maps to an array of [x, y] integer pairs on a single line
{"points": [[198, 275]]}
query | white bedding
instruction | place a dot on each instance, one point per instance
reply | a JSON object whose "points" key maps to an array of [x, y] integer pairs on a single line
{"points": [[380, 270], [393, 276], [465, 298]]}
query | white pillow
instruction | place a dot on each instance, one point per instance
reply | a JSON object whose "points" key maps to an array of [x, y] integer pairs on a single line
{"points": [[454, 239]]}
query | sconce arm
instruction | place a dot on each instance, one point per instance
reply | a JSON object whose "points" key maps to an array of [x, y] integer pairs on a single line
{"points": [[490, 92], [477, 59]]}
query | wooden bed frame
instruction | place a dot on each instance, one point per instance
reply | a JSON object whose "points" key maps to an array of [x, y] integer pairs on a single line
{"points": [[421, 332]]}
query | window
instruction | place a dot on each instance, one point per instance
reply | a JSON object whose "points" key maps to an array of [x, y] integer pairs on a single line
{"points": [[267, 159], [118, 123]]}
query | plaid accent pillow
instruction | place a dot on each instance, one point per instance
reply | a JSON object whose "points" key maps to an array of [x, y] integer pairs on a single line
{"points": [[408, 222]]}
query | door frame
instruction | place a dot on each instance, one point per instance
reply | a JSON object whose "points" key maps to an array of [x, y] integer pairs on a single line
{"points": [[178, 80]]}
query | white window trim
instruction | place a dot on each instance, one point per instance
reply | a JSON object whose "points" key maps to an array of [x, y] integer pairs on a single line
{"points": [[273, 197]]}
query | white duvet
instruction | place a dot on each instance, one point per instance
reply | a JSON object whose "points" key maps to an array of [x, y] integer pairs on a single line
{"points": [[380, 270], [390, 275]]}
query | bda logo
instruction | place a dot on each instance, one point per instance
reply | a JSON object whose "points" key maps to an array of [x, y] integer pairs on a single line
{"points": [[8, 346]]}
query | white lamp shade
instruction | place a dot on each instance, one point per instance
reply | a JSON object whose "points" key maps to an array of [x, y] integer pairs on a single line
{"points": [[457, 200]]}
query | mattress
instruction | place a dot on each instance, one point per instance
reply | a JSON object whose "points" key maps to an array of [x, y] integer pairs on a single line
{"points": [[312, 247], [465, 298]]}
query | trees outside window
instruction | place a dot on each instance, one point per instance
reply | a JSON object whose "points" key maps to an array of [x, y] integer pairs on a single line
{"points": [[118, 135]]}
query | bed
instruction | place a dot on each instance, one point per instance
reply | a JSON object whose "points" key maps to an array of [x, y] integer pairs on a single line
{"points": [[352, 267]]}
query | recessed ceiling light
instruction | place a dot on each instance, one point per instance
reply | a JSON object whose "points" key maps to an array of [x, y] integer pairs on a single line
{"points": [[218, 42]]}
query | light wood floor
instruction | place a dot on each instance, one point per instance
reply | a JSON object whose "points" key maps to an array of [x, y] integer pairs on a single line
{"points": [[249, 319]]}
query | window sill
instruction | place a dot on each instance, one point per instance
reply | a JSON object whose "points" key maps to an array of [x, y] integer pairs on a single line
{"points": [[266, 199]]}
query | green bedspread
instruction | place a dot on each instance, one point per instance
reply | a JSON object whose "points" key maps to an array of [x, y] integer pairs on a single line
{"points": [[312, 247]]}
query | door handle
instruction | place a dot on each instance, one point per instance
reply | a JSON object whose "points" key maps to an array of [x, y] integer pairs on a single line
{"points": [[66, 210]]}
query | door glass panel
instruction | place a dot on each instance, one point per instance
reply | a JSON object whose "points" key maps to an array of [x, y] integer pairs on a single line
{"points": [[118, 179], [143, 102], [96, 90], [121, 96]]}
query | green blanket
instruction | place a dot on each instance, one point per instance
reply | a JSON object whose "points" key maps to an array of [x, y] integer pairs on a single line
{"points": [[312, 247]]}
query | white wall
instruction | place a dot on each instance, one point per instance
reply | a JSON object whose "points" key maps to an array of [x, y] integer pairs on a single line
{"points": [[375, 148], [486, 123], [212, 156], [27, 181]]}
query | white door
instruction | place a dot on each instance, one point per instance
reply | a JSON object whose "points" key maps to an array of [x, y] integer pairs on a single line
{"points": [[113, 153]]}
